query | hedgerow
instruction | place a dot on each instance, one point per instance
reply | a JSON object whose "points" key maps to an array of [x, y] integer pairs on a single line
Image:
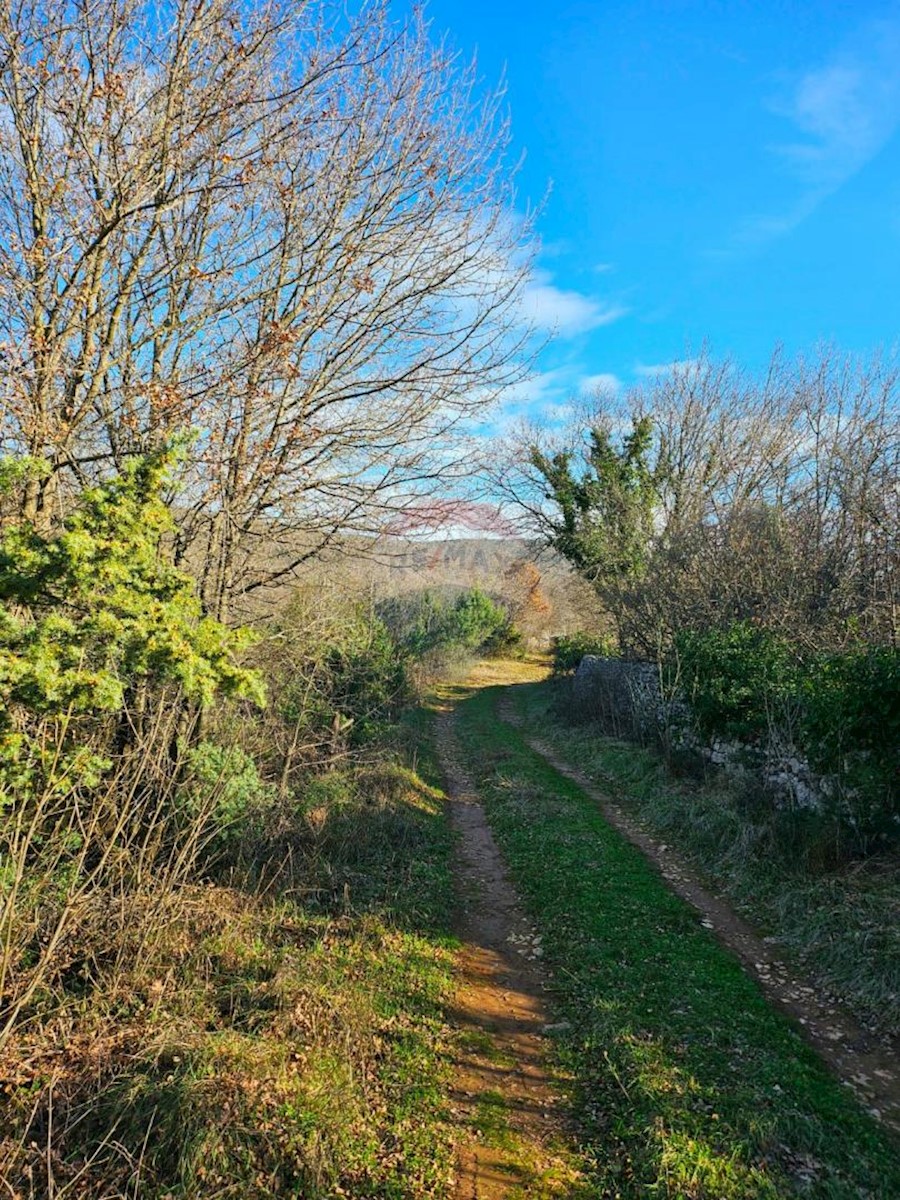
{"points": [[569, 649], [841, 710]]}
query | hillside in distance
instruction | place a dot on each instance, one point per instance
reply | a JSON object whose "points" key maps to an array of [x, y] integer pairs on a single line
{"points": [[530, 579], [445, 546]]}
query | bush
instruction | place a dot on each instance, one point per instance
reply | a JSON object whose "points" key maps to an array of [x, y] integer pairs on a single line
{"points": [[95, 626], [736, 678], [337, 682], [429, 623], [369, 684], [840, 710], [850, 730], [570, 649], [104, 654], [223, 794], [478, 623]]}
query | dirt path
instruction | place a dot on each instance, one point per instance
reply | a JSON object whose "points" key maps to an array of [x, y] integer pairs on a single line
{"points": [[512, 1127], [872, 1071]]}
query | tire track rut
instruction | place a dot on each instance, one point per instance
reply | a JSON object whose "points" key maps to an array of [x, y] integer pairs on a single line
{"points": [[505, 1096], [871, 1071]]}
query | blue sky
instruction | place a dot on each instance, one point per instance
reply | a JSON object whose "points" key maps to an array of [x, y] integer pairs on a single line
{"points": [[721, 172]]}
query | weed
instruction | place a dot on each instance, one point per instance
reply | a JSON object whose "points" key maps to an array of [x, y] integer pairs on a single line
{"points": [[282, 1035]]}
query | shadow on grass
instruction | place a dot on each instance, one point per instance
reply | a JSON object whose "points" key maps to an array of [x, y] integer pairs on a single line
{"points": [[284, 1036], [689, 1084]]}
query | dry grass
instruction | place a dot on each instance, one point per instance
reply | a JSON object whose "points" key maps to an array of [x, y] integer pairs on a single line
{"points": [[531, 668], [248, 1041]]}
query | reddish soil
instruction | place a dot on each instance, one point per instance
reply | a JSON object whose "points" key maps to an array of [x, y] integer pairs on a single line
{"points": [[502, 1066]]}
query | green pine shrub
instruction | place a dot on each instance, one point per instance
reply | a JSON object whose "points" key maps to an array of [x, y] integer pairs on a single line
{"points": [[104, 648], [94, 618]]}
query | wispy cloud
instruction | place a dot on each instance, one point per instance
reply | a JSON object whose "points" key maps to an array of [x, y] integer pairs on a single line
{"points": [[845, 111], [546, 397], [841, 114], [604, 382], [655, 370], [563, 311], [556, 414], [542, 385]]}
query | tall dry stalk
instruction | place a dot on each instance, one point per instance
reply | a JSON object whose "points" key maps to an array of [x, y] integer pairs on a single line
{"points": [[91, 868]]}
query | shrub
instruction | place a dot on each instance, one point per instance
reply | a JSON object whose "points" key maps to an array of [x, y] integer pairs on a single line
{"points": [[369, 684], [337, 682], [736, 678], [570, 649], [850, 730], [103, 647], [93, 619], [477, 622], [429, 623], [222, 793], [840, 710]]}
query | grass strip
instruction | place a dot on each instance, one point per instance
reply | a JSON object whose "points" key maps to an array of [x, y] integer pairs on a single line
{"points": [[689, 1084], [840, 925]]}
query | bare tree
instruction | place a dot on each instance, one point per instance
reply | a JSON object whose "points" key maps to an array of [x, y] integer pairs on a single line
{"points": [[775, 500], [284, 228]]}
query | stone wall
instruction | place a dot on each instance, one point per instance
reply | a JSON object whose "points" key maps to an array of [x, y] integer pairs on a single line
{"points": [[628, 700], [625, 697]]}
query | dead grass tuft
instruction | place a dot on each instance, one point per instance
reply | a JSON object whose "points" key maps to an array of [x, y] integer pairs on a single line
{"points": [[244, 1040]]}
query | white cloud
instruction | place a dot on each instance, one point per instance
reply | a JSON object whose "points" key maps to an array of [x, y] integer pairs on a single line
{"points": [[655, 370], [845, 111], [557, 414], [604, 382], [542, 385], [565, 312], [842, 113]]}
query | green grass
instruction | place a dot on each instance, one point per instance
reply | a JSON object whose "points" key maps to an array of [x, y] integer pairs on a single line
{"points": [[688, 1084], [286, 1040], [491, 1120], [840, 925]]}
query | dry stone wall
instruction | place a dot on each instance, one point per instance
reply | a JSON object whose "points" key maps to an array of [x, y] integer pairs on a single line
{"points": [[628, 700]]}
